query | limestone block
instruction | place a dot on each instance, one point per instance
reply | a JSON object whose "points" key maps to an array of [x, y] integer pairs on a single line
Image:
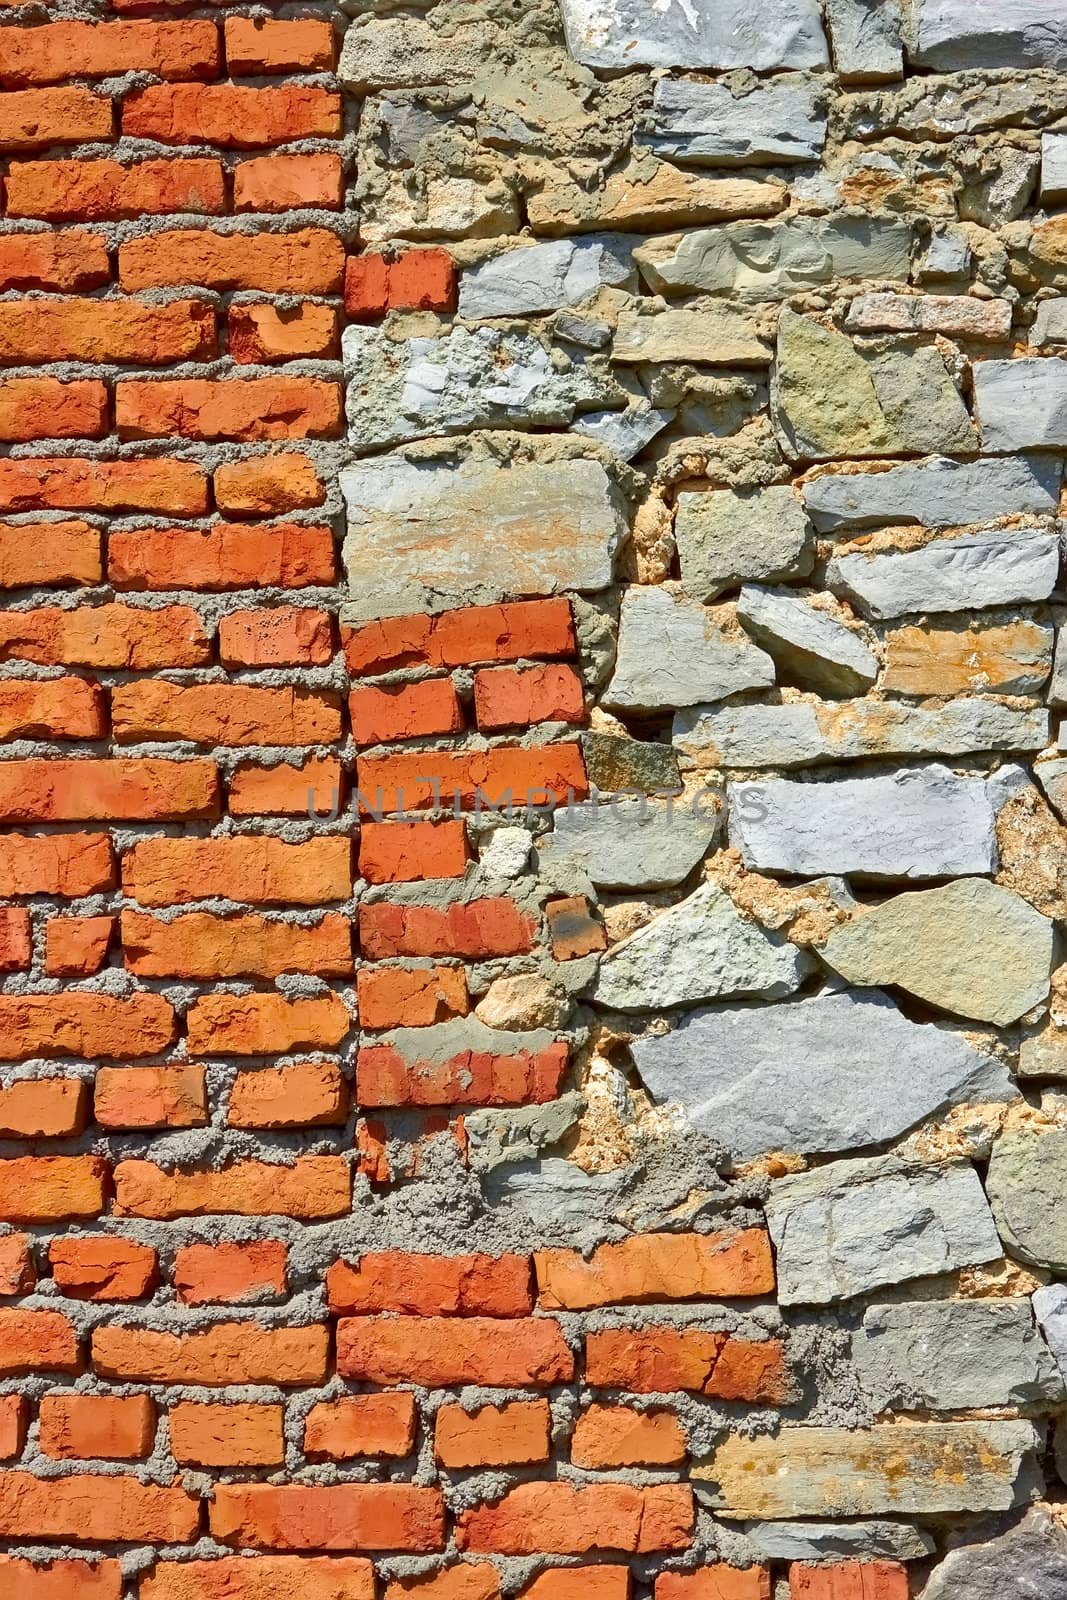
{"points": [[936, 493], [709, 124], [704, 33], [993, 567]]}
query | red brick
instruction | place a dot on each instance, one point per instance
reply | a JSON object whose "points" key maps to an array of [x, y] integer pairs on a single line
{"points": [[33, 118], [728, 1264], [92, 1509], [349, 1516], [48, 553], [288, 183], [254, 45], [14, 1425], [410, 997], [212, 1274], [286, 790], [115, 637], [715, 1583], [67, 483], [249, 408], [59, 864], [37, 1341], [505, 697], [43, 1108], [145, 790], [232, 713], [151, 1097], [55, 51], [105, 331], [312, 1094], [417, 280], [51, 1188], [580, 1583], [16, 939], [361, 1425], [476, 929], [259, 1578], [87, 1025], [314, 1187], [103, 1268], [464, 637], [615, 1436], [62, 261], [439, 1351], [663, 1360], [51, 708], [426, 1285], [228, 1353], [410, 852], [287, 636], [475, 1580], [230, 115], [17, 1273], [262, 486], [227, 556], [264, 1024], [61, 1579], [205, 946], [227, 1435], [389, 1076], [500, 778], [48, 408], [514, 1434], [107, 191], [89, 1427], [404, 711], [306, 261], [849, 1580], [560, 1519]]}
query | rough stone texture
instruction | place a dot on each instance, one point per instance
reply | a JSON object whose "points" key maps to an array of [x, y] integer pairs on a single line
{"points": [[772, 260], [810, 647], [621, 33], [954, 34], [865, 36], [719, 336], [1028, 1558], [630, 844], [1021, 405], [545, 277], [708, 124], [996, 566], [952, 1355], [837, 1541], [726, 537], [674, 653], [937, 494], [1027, 1169]]}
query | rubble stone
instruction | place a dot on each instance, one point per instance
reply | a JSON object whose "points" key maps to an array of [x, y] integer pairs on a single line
{"points": [[709, 124], [810, 647], [1027, 1171], [630, 844], [1029, 1558], [545, 277], [995, 566], [938, 493], [954, 1355], [709, 33], [674, 653], [772, 260], [727, 536]]}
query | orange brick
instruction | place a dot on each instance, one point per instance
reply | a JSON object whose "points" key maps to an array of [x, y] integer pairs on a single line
{"points": [[313, 1187], [249, 408], [502, 778], [33, 118], [43, 1108], [662, 1360], [48, 408], [66, 483], [89, 1427], [59, 50], [258, 1578], [514, 1434], [731, 1263], [270, 333], [103, 1268], [348, 1516], [14, 1424], [417, 280], [227, 556], [580, 1583], [165, 872], [65, 261], [37, 1341], [475, 1580], [227, 1435], [850, 1580], [440, 1351], [116, 637], [86, 1025], [287, 636], [560, 1519], [61, 1580], [224, 713], [95, 1509], [16, 939], [51, 708], [51, 1188], [506, 697], [361, 1425], [228, 1353], [151, 1097], [77, 947], [410, 997], [262, 486], [105, 331], [306, 261], [476, 929], [17, 1273], [464, 637], [286, 790], [409, 852], [615, 1436], [288, 183], [70, 864], [230, 115], [212, 1274], [202, 945], [69, 191], [264, 1024], [391, 1075], [254, 45], [48, 553], [393, 1280], [715, 1583], [310, 1095], [404, 711]]}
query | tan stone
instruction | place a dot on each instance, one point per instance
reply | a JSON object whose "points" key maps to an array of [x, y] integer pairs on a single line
{"points": [[719, 336], [646, 193], [1010, 658]]}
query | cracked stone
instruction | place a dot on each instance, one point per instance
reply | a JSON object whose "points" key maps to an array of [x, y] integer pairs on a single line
{"points": [[695, 33], [545, 277], [938, 493], [810, 647], [993, 567], [865, 35], [711, 124], [672, 652]]}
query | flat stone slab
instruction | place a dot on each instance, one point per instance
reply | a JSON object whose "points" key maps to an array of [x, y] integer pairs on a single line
{"points": [[1029, 1559], [952, 35], [772, 260], [853, 1226], [698, 950], [630, 844], [1026, 1183], [695, 33], [996, 566], [959, 316], [937, 493], [821, 1075], [719, 336], [1050, 1309], [954, 1355], [430, 535], [674, 653], [809, 646], [728, 535], [971, 947], [545, 277], [965, 658], [1022, 405], [922, 823], [838, 1541], [708, 124]]}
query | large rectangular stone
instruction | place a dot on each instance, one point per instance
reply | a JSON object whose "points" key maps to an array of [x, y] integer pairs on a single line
{"points": [[1022, 405], [994, 567], [718, 336], [564, 272], [954, 1355], [695, 33], [958, 658], [937, 493], [710, 124], [427, 535], [773, 260], [952, 35]]}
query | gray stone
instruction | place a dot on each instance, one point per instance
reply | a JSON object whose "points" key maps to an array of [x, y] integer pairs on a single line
{"points": [[583, 331], [810, 647], [954, 1355], [703, 33], [948, 255], [925, 822], [629, 844], [1050, 324], [552, 1191], [853, 730], [924, 1468], [546, 276], [952, 35], [865, 35], [960, 316], [711, 124], [853, 1226], [672, 652], [814, 1076], [1022, 405], [626, 433], [971, 947], [700, 950], [1053, 167], [502, 1138], [994, 567], [937, 493], [1044, 1054], [1052, 776], [616, 764], [726, 536], [1026, 1562], [1026, 1183], [433, 534], [1050, 1309], [718, 336], [816, 1542], [773, 260]]}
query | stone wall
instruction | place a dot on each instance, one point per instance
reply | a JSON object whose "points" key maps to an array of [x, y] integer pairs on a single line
{"points": [[532, 1031]]}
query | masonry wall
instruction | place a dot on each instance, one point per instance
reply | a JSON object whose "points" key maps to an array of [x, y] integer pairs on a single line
{"points": [[532, 1038]]}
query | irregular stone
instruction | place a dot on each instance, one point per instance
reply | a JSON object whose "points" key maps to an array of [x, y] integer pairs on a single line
{"points": [[925, 822], [544, 277], [953, 35], [959, 316], [1050, 324], [809, 647], [521, 1000], [865, 35], [815, 1076], [699, 950], [726, 536], [925, 1468], [504, 1138], [1044, 1054], [1010, 658], [1050, 1309], [1025, 1184], [772, 260], [947, 256], [1022, 405], [838, 1541], [1052, 776], [993, 567], [1027, 1560], [629, 844], [615, 764], [798, 734], [672, 652], [712, 124], [645, 193], [440, 206], [401, 52], [552, 1191], [507, 852], [853, 1226], [705, 33], [717, 336], [1053, 168], [626, 433], [430, 535], [937, 493], [954, 1355], [970, 947]]}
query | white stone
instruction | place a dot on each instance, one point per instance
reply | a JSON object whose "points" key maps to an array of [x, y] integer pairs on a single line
{"points": [[951, 35], [1053, 167], [808, 645], [1022, 405], [507, 852], [695, 33], [672, 652], [625, 433], [772, 260], [994, 567], [631, 843], [708, 124], [1050, 324], [545, 277]]}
